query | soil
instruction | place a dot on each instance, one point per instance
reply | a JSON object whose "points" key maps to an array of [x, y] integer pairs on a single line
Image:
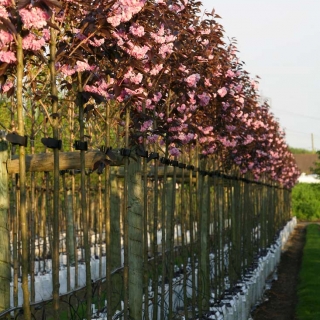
{"points": [[280, 301]]}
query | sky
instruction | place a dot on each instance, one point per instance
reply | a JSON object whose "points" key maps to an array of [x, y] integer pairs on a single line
{"points": [[279, 40]]}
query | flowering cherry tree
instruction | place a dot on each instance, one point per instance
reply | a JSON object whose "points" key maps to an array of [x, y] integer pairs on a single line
{"points": [[181, 84]]}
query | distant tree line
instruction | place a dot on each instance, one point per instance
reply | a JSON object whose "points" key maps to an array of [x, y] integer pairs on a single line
{"points": [[300, 151], [306, 196]]}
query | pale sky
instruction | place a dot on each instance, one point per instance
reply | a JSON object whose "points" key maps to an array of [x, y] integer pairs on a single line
{"points": [[279, 40]]}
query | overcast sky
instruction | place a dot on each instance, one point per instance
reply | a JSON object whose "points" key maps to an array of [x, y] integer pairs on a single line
{"points": [[279, 40]]}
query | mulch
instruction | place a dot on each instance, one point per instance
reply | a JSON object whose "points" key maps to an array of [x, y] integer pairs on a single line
{"points": [[281, 300]]}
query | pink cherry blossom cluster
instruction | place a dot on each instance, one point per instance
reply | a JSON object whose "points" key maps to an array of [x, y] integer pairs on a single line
{"points": [[124, 10], [33, 17]]}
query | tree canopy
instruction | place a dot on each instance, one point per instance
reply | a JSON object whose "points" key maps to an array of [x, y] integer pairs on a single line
{"points": [[182, 83]]}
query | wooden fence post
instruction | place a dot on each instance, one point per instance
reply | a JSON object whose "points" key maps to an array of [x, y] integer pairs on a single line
{"points": [[5, 273]]}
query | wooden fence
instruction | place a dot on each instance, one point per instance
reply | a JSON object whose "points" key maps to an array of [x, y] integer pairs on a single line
{"points": [[147, 236]]}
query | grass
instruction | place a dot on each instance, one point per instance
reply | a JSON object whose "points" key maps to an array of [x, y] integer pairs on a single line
{"points": [[308, 307]]}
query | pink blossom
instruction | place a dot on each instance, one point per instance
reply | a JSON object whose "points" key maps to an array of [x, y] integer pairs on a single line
{"points": [[5, 38], [127, 93], [185, 138], [207, 130], [182, 108], [101, 88], [115, 20], [96, 42], [137, 30], [34, 17], [228, 143], [230, 74], [240, 99], [83, 66], [170, 38], [204, 99], [192, 99], [161, 31], [211, 150], [137, 78], [124, 10], [152, 139], [3, 13], [156, 69], [250, 165], [7, 86], [207, 82], [222, 92], [192, 80], [166, 49], [174, 151], [6, 3], [67, 70], [146, 125], [183, 68], [133, 77], [137, 51], [157, 97], [230, 128], [46, 34], [157, 38], [239, 88], [177, 7], [30, 42], [7, 56]]}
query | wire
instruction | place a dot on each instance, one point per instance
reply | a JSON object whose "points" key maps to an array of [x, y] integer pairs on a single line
{"points": [[297, 114], [299, 132]]}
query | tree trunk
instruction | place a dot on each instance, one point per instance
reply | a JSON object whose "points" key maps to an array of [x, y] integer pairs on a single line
{"points": [[116, 279], [135, 226], [5, 273], [204, 282], [22, 177]]}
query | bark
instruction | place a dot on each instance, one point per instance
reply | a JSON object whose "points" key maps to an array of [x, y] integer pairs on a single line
{"points": [[56, 179], [204, 282], [22, 176], [84, 207], [5, 270], [135, 230], [116, 279]]}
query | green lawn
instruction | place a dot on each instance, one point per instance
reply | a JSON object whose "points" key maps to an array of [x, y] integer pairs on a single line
{"points": [[308, 307]]}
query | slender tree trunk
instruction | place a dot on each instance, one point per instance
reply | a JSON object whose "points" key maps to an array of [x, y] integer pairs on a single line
{"points": [[55, 122], [135, 229], [5, 269], [204, 242], [70, 227], [155, 284], [15, 229], [116, 279], [22, 176], [84, 208], [125, 223]]}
